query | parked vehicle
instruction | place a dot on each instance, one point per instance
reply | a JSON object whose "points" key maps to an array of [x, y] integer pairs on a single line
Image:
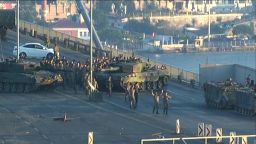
{"points": [[33, 50]]}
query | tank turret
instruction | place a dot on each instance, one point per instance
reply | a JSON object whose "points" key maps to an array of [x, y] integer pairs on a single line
{"points": [[125, 72]]}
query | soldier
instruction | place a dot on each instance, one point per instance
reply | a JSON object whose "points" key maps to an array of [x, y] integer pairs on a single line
{"points": [[95, 84], [127, 90], [132, 97], [86, 85], [56, 52], [137, 87], [77, 75], [124, 86], [156, 99], [109, 86], [47, 41], [166, 99]]}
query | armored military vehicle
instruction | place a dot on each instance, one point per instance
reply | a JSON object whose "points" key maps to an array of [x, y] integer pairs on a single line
{"points": [[245, 102], [24, 77], [224, 95], [220, 95], [132, 72]]}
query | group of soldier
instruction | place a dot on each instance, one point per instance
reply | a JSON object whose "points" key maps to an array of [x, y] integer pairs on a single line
{"points": [[77, 75], [156, 101], [131, 93]]}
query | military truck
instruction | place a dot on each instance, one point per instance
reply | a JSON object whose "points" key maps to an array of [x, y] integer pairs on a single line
{"points": [[132, 72], [24, 77]]}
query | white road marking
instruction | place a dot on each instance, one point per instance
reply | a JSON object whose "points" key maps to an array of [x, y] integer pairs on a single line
{"points": [[45, 137], [36, 129], [28, 123]]}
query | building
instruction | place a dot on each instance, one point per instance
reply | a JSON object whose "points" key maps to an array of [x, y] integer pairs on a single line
{"points": [[51, 11], [195, 5], [72, 28]]}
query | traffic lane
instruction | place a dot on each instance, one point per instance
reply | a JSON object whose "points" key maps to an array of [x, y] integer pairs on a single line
{"points": [[190, 112], [110, 124], [68, 53]]}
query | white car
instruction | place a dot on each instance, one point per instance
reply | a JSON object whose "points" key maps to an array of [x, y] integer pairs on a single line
{"points": [[33, 50]]}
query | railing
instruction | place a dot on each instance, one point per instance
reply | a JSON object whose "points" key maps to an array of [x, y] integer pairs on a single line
{"points": [[232, 139]]}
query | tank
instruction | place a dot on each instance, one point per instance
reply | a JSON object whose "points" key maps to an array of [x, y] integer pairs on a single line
{"points": [[220, 95], [25, 77], [245, 102], [132, 72]]}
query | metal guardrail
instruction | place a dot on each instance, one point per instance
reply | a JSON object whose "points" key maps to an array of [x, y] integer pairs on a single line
{"points": [[34, 29], [183, 139]]}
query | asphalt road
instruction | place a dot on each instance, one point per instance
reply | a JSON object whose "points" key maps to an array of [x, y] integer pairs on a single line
{"points": [[29, 118]]}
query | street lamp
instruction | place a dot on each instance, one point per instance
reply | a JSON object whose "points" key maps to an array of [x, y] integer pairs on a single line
{"points": [[18, 30]]}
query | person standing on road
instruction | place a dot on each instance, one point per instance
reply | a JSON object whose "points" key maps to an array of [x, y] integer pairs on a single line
{"points": [[56, 52], [156, 99], [132, 97], [166, 99], [47, 41], [109, 86], [137, 88]]}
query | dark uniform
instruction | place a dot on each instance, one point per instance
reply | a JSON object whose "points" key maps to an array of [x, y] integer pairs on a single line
{"points": [[156, 99], [166, 99], [137, 87], [109, 85], [47, 41], [132, 97]]}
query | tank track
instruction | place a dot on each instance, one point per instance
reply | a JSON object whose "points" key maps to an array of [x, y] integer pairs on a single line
{"points": [[9, 87]]}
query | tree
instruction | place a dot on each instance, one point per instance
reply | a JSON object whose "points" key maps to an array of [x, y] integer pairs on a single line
{"points": [[217, 29], [243, 29], [104, 6], [101, 21], [141, 27], [112, 35]]}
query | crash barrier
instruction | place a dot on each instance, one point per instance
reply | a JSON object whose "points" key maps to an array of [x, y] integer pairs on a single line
{"points": [[231, 139], [82, 45], [180, 75]]}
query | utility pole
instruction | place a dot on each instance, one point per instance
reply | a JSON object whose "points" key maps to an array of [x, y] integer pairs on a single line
{"points": [[209, 24], [18, 30], [91, 40]]}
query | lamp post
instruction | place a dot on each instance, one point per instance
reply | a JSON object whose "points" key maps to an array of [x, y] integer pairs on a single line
{"points": [[18, 30], [91, 43]]}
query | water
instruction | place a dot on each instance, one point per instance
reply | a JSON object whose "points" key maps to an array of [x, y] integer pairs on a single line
{"points": [[191, 61]]}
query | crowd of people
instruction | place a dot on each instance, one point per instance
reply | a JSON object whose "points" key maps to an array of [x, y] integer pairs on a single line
{"points": [[76, 75]]}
